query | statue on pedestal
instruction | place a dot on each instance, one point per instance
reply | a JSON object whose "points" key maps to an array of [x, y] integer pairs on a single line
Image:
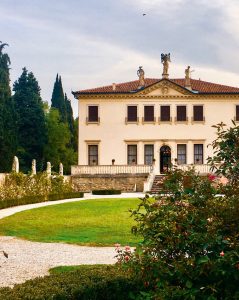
{"points": [[34, 169], [61, 169], [15, 165], [165, 59], [140, 74], [188, 78], [48, 169]]}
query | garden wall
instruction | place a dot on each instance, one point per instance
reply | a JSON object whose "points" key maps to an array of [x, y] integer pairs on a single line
{"points": [[123, 182]]}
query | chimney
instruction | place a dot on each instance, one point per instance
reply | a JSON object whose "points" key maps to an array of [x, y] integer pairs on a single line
{"points": [[114, 86]]}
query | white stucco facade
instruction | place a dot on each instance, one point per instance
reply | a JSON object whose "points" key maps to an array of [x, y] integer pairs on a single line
{"points": [[113, 133]]}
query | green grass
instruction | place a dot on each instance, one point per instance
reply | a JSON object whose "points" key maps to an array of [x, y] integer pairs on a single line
{"points": [[101, 222]]}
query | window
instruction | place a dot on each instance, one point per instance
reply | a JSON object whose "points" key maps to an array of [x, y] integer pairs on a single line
{"points": [[148, 154], [198, 113], [93, 114], [198, 154], [132, 154], [181, 154], [165, 113], [92, 155], [149, 113], [132, 114], [181, 113], [237, 112]]}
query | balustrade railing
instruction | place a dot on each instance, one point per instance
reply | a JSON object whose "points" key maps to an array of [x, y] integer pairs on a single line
{"points": [[201, 169], [111, 169]]}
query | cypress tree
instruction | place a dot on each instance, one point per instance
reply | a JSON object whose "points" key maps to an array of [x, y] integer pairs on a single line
{"points": [[58, 99], [69, 115], [30, 118], [59, 138], [8, 140]]}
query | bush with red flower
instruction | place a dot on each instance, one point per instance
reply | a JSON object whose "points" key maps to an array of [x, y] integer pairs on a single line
{"points": [[190, 247]]}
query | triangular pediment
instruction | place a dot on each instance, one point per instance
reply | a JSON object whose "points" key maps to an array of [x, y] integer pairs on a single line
{"points": [[165, 87]]}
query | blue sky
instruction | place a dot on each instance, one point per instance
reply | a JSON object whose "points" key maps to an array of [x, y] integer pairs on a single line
{"points": [[97, 42]]}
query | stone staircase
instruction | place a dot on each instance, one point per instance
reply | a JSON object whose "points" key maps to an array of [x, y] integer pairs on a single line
{"points": [[157, 184]]}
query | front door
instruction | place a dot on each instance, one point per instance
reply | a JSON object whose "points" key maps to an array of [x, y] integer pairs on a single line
{"points": [[165, 159]]}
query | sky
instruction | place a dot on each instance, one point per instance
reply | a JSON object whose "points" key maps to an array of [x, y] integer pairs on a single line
{"points": [[97, 42]]}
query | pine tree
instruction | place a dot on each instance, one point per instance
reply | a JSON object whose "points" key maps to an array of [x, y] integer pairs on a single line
{"points": [[8, 140], [58, 99], [30, 118]]}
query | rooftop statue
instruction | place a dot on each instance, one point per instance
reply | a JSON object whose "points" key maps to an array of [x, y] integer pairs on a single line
{"points": [[165, 59], [188, 78], [140, 74], [187, 73]]}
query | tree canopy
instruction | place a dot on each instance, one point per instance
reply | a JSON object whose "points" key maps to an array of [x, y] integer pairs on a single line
{"points": [[57, 149], [58, 99], [30, 119], [7, 115]]}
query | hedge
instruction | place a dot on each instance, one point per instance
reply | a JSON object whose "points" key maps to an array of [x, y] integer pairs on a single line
{"points": [[37, 199], [98, 282], [70, 195], [106, 192]]}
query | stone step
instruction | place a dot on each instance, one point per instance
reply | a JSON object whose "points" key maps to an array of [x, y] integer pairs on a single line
{"points": [[157, 184]]}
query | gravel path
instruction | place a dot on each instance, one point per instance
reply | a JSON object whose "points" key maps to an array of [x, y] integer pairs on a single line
{"points": [[27, 260]]}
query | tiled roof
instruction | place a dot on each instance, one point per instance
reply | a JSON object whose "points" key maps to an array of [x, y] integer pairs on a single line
{"points": [[132, 86]]}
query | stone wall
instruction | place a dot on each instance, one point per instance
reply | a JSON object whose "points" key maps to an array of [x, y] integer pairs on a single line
{"points": [[123, 182]]}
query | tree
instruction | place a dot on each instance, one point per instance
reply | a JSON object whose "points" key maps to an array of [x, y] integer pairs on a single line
{"points": [[58, 99], [57, 148], [225, 160], [69, 115], [8, 141], [30, 120], [75, 134]]}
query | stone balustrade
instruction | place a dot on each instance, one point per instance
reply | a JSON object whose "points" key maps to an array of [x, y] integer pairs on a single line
{"points": [[111, 169], [201, 169]]}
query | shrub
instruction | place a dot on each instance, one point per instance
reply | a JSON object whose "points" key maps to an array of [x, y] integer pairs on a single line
{"points": [[106, 192], [191, 247], [59, 186], [21, 201], [53, 197], [20, 189], [89, 282]]}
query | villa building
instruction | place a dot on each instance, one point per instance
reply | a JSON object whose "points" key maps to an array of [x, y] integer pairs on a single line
{"points": [[132, 131]]}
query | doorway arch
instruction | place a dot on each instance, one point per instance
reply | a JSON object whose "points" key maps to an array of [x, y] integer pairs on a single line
{"points": [[165, 159]]}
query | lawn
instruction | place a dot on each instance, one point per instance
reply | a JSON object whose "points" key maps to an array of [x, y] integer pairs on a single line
{"points": [[101, 222]]}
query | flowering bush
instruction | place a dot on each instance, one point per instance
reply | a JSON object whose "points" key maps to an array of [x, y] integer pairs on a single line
{"points": [[190, 246]]}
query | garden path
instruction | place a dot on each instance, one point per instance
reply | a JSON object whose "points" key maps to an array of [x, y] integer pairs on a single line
{"points": [[27, 260]]}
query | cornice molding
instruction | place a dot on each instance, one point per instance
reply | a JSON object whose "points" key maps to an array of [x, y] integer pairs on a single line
{"points": [[164, 97], [164, 140]]}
